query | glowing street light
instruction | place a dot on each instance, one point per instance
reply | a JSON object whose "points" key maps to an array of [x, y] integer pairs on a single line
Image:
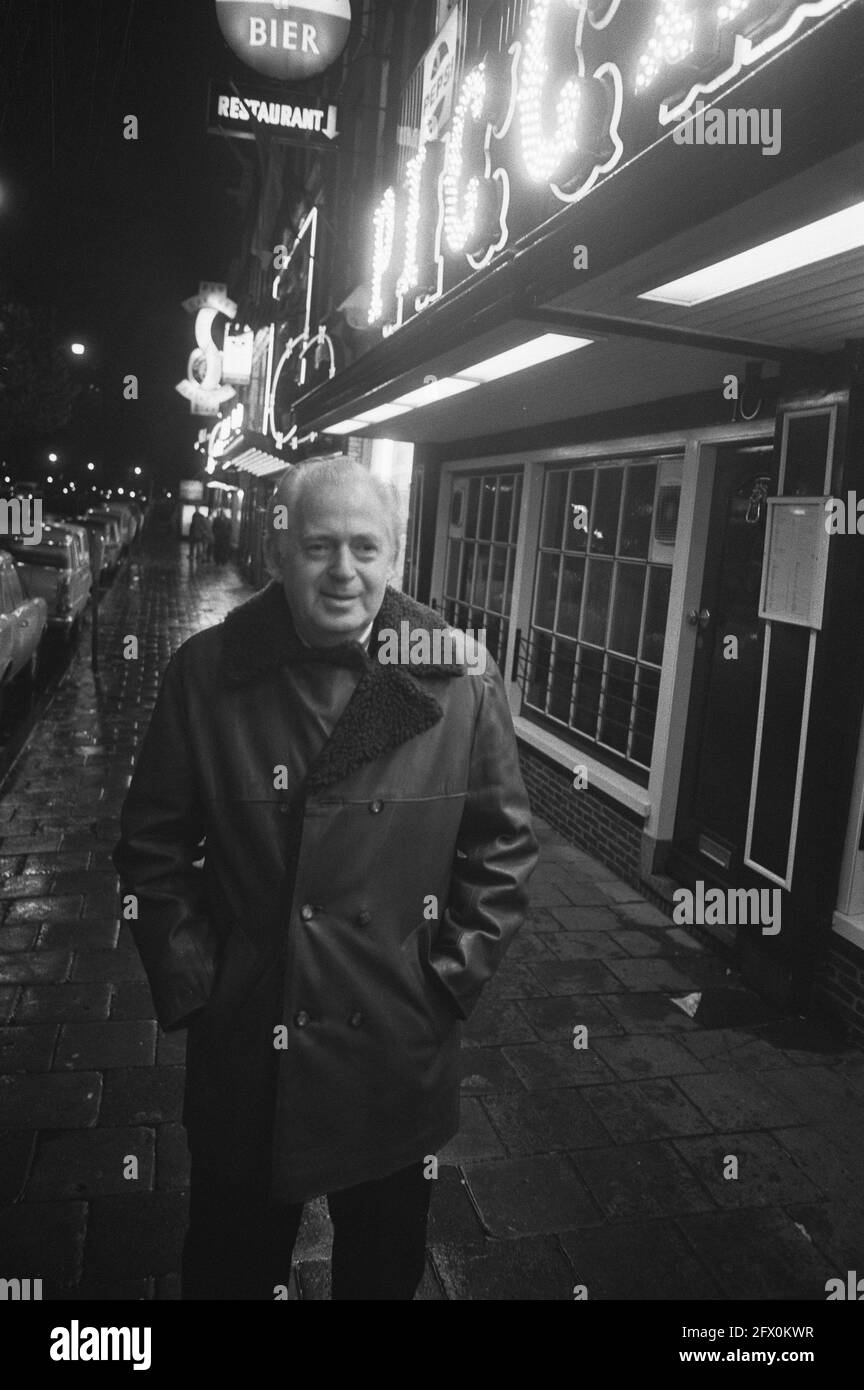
{"points": [[52, 458], [77, 349], [137, 472], [49, 480], [91, 467]]}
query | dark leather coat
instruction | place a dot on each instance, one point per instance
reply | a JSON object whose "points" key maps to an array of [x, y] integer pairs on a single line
{"points": [[329, 945]]}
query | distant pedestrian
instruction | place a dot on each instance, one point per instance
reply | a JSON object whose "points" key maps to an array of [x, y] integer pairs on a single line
{"points": [[221, 538], [199, 528]]}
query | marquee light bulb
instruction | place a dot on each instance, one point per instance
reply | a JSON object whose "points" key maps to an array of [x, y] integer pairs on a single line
{"points": [[460, 228], [413, 179], [671, 44], [543, 156], [385, 230]]}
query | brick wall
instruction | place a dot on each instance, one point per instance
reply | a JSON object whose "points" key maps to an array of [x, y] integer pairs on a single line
{"points": [[587, 818], [840, 984]]}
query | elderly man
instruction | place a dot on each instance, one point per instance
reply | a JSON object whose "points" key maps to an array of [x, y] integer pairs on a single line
{"points": [[329, 855]]}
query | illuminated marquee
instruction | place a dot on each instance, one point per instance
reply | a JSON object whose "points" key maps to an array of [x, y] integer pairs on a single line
{"points": [[540, 124]]}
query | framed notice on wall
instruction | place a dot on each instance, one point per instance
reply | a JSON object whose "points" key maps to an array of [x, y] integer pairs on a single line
{"points": [[795, 561]]}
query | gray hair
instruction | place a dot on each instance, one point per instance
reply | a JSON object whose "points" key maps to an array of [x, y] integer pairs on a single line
{"points": [[313, 477]]}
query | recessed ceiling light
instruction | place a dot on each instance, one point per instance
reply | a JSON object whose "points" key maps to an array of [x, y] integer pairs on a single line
{"points": [[530, 354], [829, 236], [435, 391], [382, 412], [343, 427]]}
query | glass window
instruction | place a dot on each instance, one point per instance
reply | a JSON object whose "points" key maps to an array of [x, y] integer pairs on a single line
{"points": [[600, 603], [480, 558]]}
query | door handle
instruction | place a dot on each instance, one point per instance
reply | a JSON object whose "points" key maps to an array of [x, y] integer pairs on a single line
{"points": [[699, 618]]}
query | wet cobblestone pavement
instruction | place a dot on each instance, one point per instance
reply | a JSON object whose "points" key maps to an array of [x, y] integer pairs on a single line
{"points": [[605, 1166]]}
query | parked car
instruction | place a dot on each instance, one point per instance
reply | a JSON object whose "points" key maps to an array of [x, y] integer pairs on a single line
{"points": [[22, 624], [124, 518], [56, 570], [109, 529]]}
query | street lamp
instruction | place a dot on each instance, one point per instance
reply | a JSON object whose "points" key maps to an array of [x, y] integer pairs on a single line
{"points": [[52, 458], [137, 472], [91, 467], [77, 349]]}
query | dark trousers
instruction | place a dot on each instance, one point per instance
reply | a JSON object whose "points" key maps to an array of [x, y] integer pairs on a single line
{"points": [[239, 1246]]}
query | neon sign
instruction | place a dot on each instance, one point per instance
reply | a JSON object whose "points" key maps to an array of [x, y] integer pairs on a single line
{"points": [[202, 385], [583, 86], [304, 342]]}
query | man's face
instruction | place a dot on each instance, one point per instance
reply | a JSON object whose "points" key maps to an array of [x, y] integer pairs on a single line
{"points": [[336, 563]]}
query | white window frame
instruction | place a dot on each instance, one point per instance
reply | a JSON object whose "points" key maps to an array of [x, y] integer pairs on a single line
{"points": [[657, 803]]}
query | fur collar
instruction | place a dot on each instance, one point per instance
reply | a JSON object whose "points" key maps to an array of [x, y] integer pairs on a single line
{"points": [[387, 708]]}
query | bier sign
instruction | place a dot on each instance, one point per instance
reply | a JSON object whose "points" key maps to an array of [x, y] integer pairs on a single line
{"points": [[285, 40]]}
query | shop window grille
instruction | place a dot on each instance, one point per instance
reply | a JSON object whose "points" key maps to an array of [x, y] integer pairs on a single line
{"points": [[590, 662]]}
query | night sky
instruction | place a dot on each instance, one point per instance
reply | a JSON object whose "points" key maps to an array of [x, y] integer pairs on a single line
{"points": [[109, 235]]}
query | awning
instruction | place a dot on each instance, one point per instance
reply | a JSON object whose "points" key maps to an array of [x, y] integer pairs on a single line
{"points": [[258, 463]]}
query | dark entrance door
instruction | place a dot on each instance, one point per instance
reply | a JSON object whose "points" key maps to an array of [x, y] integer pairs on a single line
{"points": [[721, 727]]}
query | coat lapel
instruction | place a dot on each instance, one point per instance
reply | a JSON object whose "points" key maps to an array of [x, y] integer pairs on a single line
{"points": [[388, 707]]}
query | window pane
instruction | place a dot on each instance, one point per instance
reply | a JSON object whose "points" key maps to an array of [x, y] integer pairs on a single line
{"points": [[481, 575], [487, 508], [547, 590], [615, 724], [563, 670], [588, 691], [505, 509], [596, 609], [604, 521], [571, 595], [473, 507], [581, 488], [498, 577], [627, 612], [638, 511], [554, 508], [538, 670], [659, 581], [645, 716], [464, 590]]}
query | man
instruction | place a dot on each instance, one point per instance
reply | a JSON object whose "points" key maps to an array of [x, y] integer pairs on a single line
{"points": [[366, 850], [221, 538]]}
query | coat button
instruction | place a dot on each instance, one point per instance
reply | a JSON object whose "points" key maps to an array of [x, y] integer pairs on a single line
{"points": [[376, 806], [307, 912], [301, 1019], [356, 1019], [364, 918]]}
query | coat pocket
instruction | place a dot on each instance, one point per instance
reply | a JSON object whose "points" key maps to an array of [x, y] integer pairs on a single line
{"points": [[238, 970], [431, 993]]}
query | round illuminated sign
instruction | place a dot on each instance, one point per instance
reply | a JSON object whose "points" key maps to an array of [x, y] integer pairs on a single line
{"points": [[286, 40]]}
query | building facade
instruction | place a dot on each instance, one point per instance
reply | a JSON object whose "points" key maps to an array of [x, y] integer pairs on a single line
{"points": [[613, 273]]}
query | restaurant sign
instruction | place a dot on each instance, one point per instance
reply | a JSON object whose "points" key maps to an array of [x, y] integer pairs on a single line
{"points": [[582, 89]]}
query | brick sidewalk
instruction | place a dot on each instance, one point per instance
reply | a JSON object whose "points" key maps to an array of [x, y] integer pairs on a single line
{"points": [[600, 1166]]}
